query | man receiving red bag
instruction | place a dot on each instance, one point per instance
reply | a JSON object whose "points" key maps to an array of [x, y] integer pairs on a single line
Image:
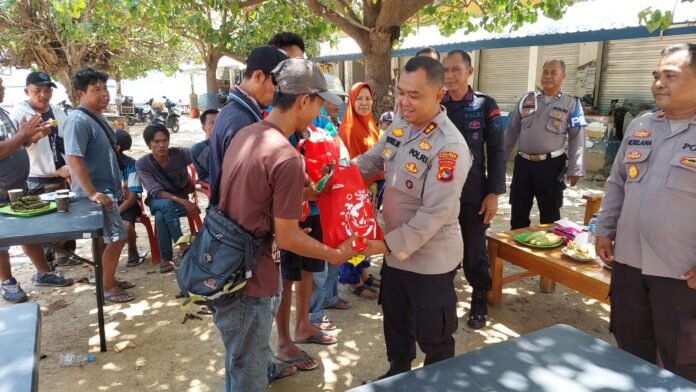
{"points": [[425, 161]]}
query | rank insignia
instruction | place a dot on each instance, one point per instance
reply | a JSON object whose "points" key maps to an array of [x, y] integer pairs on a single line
{"points": [[425, 146], [398, 132], [387, 152], [411, 168], [661, 114], [642, 133], [429, 129], [633, 171], [688, 162], [635, 154]]}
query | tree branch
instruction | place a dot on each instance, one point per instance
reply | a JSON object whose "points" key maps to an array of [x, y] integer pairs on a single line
{"points": [[355, 30], [342, 4], [396, 12]]}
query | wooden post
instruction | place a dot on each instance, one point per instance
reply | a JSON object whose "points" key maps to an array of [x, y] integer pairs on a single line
{"points": [[593, 203]]}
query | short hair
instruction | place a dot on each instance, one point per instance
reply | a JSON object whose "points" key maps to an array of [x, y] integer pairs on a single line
{"points": [[284, 102], [428, 51], [87, 76], [205, 114], [285, 39], [464, 55], [689, 48], [248, 73], [434, 71], [559, 61], [151, 130]]}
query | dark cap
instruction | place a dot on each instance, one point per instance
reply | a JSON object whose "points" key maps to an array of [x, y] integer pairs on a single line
{"points": [[264, 58], [40, 79], [123, 139], [300, 76]]}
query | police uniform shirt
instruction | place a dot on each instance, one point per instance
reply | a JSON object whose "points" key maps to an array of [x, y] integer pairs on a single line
{"points": [[424, 175], [543, 127], [477, 117], [649, 208]]}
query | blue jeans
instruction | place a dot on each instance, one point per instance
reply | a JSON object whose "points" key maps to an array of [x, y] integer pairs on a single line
{"points": [[245, 325], [324, 292], [167, 214]]}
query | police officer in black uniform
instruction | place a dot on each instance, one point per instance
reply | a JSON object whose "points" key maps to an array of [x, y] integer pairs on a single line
{"points": [[477, 117]]}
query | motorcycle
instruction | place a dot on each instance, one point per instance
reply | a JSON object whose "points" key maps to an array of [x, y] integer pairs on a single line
{"points": [[143, 114], [169, 117]]}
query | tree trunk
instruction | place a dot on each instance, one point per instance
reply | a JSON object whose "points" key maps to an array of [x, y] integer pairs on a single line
{"points": [[211, 77], [378, 74], [64, 77]]}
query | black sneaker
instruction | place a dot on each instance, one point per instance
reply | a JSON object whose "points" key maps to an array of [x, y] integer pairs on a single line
{"points": [[479, 310]]}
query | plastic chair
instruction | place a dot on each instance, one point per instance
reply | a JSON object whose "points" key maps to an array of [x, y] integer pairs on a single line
{"points": [[194, 221], [199, 186]]}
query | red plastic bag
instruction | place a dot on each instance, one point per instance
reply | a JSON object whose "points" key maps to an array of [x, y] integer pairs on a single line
{"points": [[318, 154], [345, 209]]}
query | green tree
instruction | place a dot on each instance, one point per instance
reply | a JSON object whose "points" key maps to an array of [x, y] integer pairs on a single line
{"points": [[60, 36], [233, 27], [376, 25], [655, 18]]}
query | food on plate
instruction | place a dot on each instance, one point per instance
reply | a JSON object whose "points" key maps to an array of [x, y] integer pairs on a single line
{"points": [[28, 203], [581, 251], [542, 238]]}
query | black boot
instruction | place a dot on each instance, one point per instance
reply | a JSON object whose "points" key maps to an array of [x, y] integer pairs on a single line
{"points": [[479, 309], [395, 367]]}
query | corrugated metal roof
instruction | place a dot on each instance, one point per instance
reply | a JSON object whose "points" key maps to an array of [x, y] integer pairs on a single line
{"points": [[591, 20]]}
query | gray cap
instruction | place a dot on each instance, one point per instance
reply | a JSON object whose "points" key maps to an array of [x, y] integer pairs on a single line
{"points": [[300, 76], [335, 85]]}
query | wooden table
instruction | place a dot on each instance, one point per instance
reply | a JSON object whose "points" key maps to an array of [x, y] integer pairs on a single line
{"points": [[590, 279]]}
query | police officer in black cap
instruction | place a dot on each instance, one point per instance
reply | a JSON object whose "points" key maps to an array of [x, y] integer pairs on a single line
{"points": [[477, 117]]}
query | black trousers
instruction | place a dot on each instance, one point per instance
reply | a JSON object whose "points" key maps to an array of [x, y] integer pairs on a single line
{"points": [[538, 179], [418, 308], [476, 266], [653, 316]]}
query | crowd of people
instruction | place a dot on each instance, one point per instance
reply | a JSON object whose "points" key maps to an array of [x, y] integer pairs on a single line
{"points": [[436, 166]]}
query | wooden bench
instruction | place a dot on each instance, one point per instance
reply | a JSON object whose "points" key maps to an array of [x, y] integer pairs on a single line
{"points": [[588, 279], [20, 332]]}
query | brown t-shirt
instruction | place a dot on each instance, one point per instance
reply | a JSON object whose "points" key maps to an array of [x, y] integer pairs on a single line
{"points": [[262, 178]]}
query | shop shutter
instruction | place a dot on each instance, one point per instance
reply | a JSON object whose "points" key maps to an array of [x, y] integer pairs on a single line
{"points": [[503, 75], [628, 69]]}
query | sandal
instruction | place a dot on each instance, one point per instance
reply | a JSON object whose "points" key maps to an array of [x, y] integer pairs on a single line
{"points": [[342, 304], [316, 339], [118, 297], [136, 261], [282, 370], [299, 360], [373, 282], [325, 325], [122, 284], [166, 267], [66, 262], [361, 291]]}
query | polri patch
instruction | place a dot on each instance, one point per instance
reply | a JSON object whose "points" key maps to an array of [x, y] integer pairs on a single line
{"points": [[688, 162], [398, 132], [411, 168], [633, 171], [445, 174], [474, 125]]}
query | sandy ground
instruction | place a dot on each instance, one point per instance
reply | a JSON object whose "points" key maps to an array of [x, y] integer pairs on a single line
{"points": [[171, 356]]}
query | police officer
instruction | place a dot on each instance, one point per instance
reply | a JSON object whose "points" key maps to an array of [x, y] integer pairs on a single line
{"points": [[542, 122], [649, 210], [477, 117], [426, 161]]}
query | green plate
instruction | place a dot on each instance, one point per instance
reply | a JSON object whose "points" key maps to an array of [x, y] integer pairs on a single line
{"points": [[523, 236], [27, 214]]}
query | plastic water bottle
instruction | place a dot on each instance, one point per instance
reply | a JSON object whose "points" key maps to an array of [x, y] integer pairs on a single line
{"points": [[74, 359], [591, 227]]}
